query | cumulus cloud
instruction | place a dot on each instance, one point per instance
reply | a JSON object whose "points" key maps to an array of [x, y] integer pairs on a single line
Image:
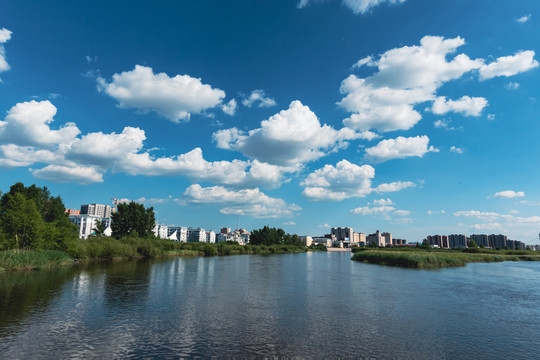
{"points": [[27, 138], [524, 18], [230, 107], [509, 194], [357, 6], [5, 35], [289, 223], [288, 138], [174, 98], [406, 76], [509, 65], [457, 150], [345, 180], [501, 222], [81, 174], [27, 124], [259, 98], [251, 202], [411, 75], [466, 105], [400, 148]]}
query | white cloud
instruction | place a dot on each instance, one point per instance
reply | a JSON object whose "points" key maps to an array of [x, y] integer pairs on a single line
{"points": [[5, 35], [406, 76], [174, 98], [513, 212], [290, 138], [15, 155], [445, 124], [468, 106], [384, 211], [81, 174], [289, 223], [260, 98], [509, 194], [512, 86], [509, 65], [457, 150], [357, 6], [491, 117], [230, 107], [345, 180], [383, 202], [394, 186], [400, 148], [251, 202], [27, 124], [325, 225], [524, 18]]}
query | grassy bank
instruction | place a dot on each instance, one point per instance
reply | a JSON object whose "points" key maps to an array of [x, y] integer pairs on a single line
{"points": [[435, 259], [32, 260], [106, 248]]}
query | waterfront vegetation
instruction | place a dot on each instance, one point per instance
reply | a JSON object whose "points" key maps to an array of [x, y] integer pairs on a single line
{"points": [[35, 233], [415, 257]]}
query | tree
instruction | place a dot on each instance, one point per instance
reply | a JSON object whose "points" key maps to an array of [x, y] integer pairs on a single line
{"points": [[133, 219], [273, 236], [99, 228], [472, 244], [21, 222]]}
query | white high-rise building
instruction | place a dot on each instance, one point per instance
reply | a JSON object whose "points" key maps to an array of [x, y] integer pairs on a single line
{"points": [[100, 210], [87, 223]]}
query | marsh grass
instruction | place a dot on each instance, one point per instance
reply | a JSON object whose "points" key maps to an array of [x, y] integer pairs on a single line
{"points": [[433, 259], [32, 259]]}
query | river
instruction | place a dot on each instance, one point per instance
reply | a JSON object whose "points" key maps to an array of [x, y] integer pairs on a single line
{"points": [[295, 305]]}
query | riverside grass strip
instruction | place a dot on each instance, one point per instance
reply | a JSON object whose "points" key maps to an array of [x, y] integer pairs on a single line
{"points": [[432, 259]]}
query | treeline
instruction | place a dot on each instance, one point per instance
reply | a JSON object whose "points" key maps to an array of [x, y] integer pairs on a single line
{"points": [[273, 236], [31, 218]]}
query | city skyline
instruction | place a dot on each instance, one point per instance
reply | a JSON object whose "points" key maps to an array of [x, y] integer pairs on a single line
{"points": [[413, 116]]}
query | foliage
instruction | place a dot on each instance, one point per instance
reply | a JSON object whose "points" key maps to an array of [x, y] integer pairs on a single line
{"points": [[133, 219], [273, 236], [27, 259], [319, 247], [31, 218], [99, 228], [472, 244]]}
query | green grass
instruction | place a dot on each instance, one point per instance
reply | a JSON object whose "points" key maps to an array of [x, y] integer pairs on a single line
{"points": [[31, 260], [106, 248], [433, 259]]}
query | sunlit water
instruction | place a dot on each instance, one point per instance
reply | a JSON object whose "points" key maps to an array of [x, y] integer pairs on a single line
{"points": [[305, 305]]}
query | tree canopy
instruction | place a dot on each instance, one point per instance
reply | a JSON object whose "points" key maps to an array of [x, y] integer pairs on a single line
{"points": [[133, 219], [273, 236], [31, 218]]}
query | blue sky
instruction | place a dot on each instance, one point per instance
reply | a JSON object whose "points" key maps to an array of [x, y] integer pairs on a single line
{"points": [[411, 116]]}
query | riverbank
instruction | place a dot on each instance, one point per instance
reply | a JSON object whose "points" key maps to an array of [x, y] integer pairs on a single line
{"points": [[105, 248], [425, 259]]}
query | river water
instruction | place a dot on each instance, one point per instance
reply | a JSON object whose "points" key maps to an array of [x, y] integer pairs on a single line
{"points": [[296, 305]]}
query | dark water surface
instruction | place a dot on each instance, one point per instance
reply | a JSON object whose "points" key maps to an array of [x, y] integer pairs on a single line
{"points": [[305, 305]]}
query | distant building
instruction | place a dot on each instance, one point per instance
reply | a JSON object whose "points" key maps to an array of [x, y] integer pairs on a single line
{"points": [[100, 210], [210, 237], [342, 234], [399, 242], [160, 231], [196, 235], [241, 236], [440, 241], [497, 241], [87, 223], [457, 241], [359, 237], [177, 233], [387, 238], [306, 240], [480, 239], [73, 212], [225, 230], [323, 240], [376, 239]]}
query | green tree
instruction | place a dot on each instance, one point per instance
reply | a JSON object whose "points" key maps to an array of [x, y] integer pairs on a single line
{"points": [[472, 244], [99, 228], [133, 219], [21, 222]]}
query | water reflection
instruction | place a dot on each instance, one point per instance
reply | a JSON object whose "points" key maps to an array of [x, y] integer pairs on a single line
{"points": [[316, 304]]}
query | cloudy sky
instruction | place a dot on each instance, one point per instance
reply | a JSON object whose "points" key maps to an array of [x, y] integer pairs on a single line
{"points": [[411, 116]]}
